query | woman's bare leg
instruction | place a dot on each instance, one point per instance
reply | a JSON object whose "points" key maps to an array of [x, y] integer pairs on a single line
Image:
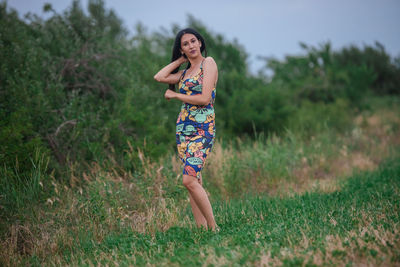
{"points": [[199, 197], [198, 216]]}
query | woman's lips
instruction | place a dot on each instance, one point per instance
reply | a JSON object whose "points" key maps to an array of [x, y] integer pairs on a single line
{"points": [[193, 51]]}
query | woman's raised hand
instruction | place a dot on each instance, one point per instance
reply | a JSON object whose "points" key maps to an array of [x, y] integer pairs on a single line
{"points": [[182, 59], [165, 76]]}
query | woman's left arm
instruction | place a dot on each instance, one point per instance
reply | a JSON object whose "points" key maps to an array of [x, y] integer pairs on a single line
{"points": [[210, 72]]}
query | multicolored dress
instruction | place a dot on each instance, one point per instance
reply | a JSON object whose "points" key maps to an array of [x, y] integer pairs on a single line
{"points": [[195, 127]]}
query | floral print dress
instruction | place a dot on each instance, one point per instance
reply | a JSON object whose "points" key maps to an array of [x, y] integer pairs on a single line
{"points": [[195, 127]]}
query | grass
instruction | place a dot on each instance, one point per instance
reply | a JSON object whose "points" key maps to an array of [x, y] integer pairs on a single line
{"points": [[17, 188], [357, 224], [330, 199]]}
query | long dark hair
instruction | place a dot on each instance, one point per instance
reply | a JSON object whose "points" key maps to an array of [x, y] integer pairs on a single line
{"points": [[176, 50]]}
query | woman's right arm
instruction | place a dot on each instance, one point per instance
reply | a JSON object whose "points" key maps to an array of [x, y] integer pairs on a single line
{"points": [[165, 75]]}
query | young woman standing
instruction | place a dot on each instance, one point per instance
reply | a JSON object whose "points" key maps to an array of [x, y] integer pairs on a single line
{"points": [[195, 126]]}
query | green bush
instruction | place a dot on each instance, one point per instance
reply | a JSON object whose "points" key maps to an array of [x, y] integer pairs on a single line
{"points": [[311, 118]]}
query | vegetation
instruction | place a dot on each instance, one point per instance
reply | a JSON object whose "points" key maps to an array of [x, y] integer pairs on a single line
{"points": [[300, 172], [277, 201]]}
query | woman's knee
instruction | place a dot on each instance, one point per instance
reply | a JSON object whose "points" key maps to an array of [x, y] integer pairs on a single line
{"points": [[189, 181]]}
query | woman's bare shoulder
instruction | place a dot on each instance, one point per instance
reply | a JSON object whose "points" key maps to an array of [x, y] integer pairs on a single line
{"points": [[210, 62]]}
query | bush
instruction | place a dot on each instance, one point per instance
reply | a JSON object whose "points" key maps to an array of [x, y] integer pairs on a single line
{"points": [[311, 118]]}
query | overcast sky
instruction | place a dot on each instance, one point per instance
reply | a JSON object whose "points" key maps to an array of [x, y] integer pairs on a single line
{"points": [[263, 27]]}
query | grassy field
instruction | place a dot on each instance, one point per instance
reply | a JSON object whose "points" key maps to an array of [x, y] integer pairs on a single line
{"points": [[358, 224], [330, 199]]}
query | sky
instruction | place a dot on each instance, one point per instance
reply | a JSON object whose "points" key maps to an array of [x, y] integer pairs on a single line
{"points": [[266, 28]]}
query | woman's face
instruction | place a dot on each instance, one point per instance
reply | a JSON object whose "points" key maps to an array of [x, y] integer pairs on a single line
{"points": [[190, 45]]}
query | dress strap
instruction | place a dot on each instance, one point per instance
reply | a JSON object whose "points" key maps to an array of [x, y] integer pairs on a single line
{"points": [[183, 74], [201, 65]]}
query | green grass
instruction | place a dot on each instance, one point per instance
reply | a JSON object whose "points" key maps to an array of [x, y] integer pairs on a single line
{"points": [[17, 188], [345, 226]]}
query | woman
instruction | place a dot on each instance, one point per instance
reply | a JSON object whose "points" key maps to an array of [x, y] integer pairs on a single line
{"points": [[195, 127]]}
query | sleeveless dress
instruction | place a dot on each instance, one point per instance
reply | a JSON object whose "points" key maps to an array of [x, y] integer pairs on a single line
{"points": [[195, 126]]}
